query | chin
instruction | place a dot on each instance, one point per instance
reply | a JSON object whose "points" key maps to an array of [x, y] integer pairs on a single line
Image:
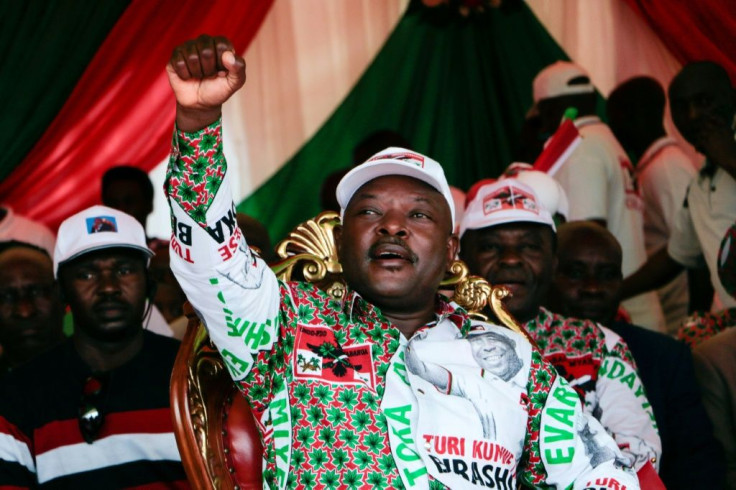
{"points": [[113, 332]]}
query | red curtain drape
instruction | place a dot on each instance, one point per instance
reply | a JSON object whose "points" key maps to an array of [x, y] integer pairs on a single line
{"points": [[122, 109], [694, 30]]}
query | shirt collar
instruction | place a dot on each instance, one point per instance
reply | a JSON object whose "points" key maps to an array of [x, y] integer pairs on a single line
{"points": [[587, 121], [354, 304], [653, 150]]}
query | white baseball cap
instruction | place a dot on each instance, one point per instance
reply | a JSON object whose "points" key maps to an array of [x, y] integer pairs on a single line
{"points": [[395, 161], [548, 190], [97, 228], [501, 202], [17, 228], [554, 81]]}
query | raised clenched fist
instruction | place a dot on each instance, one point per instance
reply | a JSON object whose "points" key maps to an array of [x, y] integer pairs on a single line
{"points": [[203, 74]]}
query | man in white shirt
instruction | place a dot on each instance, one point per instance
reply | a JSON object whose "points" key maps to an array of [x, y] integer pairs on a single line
{"points": [[663, 170], [703, 108], [598, 177]]}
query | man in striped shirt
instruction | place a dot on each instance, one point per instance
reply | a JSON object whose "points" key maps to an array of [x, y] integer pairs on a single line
{"points": [[94, 411]]}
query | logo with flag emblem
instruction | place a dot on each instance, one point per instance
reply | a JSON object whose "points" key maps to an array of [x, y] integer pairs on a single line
{"points": [[318, 355], [507, 198], [414, 158]]}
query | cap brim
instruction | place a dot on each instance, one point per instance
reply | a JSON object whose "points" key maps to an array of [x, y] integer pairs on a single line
{"points": [[362, 174], [147, 251], [508, 218]]}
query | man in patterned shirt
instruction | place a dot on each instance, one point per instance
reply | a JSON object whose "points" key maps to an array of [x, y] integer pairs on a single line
{"points": [[326, 378], [508, 237]]}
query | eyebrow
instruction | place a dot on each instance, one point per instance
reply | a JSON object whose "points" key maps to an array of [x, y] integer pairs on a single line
{"points": [[365, 195]]}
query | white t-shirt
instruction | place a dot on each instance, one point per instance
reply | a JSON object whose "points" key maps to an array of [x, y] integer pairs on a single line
{"points": [[701, 224], [663, 173], [600, 184]]}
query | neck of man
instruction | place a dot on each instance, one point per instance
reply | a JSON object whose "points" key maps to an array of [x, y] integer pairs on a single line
{"points": [[409, 322], [103, 355]]}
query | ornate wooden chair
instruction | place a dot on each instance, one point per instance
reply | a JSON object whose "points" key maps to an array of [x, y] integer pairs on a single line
{"points": [[217, 437]]}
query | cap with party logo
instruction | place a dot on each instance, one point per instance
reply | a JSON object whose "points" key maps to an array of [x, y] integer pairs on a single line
{"points": [[561, 78], [551, 194], [395, 161], [493, 203], [97, 228]]}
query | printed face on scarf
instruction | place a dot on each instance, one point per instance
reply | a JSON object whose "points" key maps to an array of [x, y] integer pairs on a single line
{"points": [[106, 291], [496, 354], [396, 243], [519, 256]]}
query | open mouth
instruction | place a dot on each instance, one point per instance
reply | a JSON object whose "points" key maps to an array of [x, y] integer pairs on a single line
{"points": [[509, 282], [391, 252]]}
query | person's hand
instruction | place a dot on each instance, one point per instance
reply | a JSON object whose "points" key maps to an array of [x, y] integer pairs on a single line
{"points": [[203, 74]]}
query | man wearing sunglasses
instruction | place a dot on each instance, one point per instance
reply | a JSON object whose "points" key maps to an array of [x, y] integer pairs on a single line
{"points": [[94, 411]]}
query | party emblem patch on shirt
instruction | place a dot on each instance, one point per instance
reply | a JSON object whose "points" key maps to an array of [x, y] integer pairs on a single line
{"points": [[98, 224], [318, 355], [580, 371]]}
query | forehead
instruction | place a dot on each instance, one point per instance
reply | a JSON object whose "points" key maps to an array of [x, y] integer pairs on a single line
{"points": [[488, 339], [589, 248], [20, 258], [516, 230]]}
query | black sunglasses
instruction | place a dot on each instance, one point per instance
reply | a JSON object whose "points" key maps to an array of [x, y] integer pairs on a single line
{"points": [[91, 417]]}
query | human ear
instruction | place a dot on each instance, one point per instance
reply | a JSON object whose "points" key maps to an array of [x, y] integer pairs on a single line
{"points": [[453, 247]]}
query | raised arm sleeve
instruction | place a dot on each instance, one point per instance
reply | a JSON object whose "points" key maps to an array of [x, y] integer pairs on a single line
{"points": [[233, 290]]}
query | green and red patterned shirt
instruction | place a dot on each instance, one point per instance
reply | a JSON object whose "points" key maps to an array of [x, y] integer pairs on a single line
{"points": [[598, 364], [343, 400], [702, 325]]}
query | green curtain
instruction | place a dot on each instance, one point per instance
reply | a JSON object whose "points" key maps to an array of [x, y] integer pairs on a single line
{"points": [[456, 87], [45, 47]]}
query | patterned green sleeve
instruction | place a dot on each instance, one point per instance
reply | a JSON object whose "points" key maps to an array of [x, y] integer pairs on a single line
{"points": [[196, 169]]}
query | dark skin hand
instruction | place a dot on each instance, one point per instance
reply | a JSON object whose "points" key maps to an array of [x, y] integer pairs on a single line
{"points": [[203, 74], [658, 270]]}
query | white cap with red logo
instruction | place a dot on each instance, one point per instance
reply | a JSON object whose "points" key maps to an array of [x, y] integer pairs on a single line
{"points": [[501, 202], [96, 228], [395, 161], [554, 81]]}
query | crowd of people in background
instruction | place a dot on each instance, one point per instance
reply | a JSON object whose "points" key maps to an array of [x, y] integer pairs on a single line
{"points": [[621, 268]]}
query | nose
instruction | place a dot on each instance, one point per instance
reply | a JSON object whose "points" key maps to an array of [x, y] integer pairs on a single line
{"points": [[591, 286], [109, 283], [25, 307], [509, 256], [393, 223], [693, 112]]}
